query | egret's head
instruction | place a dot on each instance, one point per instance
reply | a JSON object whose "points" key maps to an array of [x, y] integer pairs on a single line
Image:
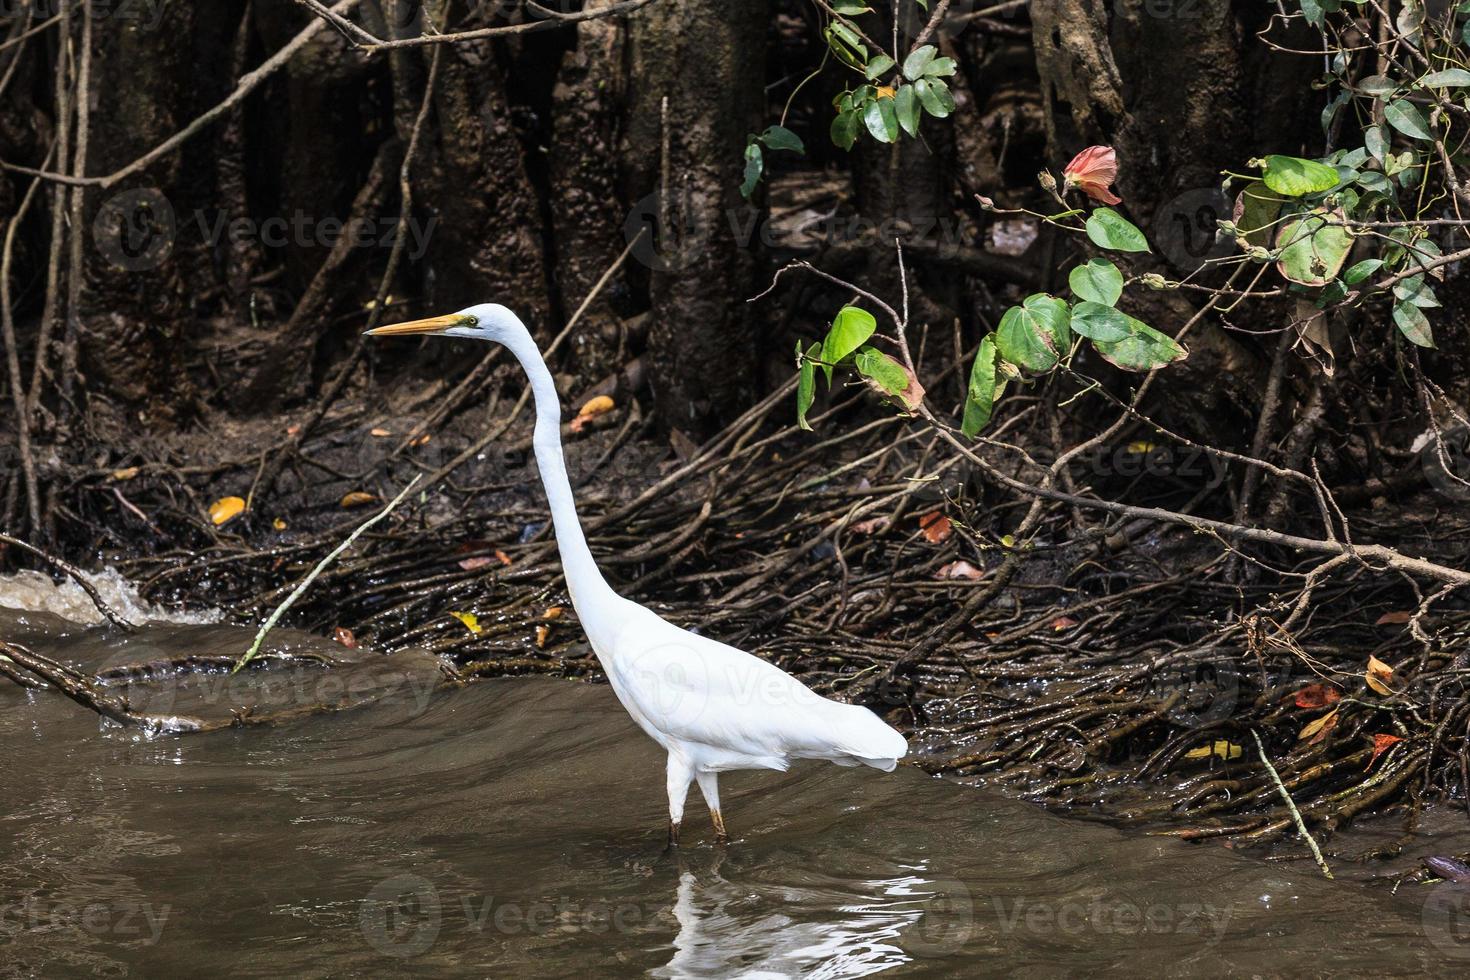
{"points": [[487, 321]]}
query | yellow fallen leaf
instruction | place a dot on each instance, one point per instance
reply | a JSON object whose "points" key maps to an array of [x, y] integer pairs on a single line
{"points": [[278, 524], [1379, 675], [542, 632], [226, 509], [600, 405], [597, 406], [1143, 447], [380, 433], [357, 498], [1008, 541], [470, 620], [1317, 730], [1223, 749], [126, 473], [885, 91], [553, 613]]}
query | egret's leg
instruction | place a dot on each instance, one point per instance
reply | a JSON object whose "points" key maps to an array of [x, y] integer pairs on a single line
{"points": [[709, 785], [681, 774]]}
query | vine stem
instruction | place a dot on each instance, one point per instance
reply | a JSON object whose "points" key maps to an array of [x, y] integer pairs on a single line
{"points": [[297, 592], [1301, 825]]}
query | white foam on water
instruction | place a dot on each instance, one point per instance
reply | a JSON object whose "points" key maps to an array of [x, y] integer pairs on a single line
{"points": [[30, 591]]}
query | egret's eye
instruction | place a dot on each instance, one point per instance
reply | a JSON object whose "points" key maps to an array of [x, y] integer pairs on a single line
{"points": [[471, 320]]}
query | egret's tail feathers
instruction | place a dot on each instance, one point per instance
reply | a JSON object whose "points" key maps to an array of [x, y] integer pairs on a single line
{"points": [[882, 765], [864, 737]]}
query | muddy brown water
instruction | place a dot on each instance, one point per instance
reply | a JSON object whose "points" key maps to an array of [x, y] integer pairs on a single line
{"points": [[515, 828]]}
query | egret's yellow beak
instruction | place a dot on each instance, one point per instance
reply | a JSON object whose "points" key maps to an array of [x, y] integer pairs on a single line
{"points": [[433, 324]]}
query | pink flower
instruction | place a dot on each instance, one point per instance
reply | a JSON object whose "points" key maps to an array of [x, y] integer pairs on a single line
{"points": [[1092, 171]]}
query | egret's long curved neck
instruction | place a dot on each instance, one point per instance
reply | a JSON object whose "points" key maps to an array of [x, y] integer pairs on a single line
{"points": [[584, 580]]}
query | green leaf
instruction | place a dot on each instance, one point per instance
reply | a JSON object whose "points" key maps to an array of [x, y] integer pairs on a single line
{"points": [[1295, 177], [851, 328], [1099, 281], [917, 61], [879, 66], [1099, 322], [906, 106], [940, 68], [806, 383], [1377, 85], [984, 389], [846, 45], [845, 127], [1034, 334], [1375, 140], [781, 138], [935, 96], [1361, 270], [1109, 229], [851, 8], [1405, 116], [1412, 323], [881, 119], [1415, 290], [1142, 350], [1449, 78], [1255, 214], [878, 366], [754, 166], [1313, 247]]}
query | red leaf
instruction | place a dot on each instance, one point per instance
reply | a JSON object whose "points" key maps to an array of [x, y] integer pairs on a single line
{"points": [[1317, 696], [1063, 623], [936, 527], [344, 636], [1381, 744]]}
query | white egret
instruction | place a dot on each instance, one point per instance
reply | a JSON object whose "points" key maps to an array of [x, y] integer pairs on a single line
{"points": [[712, 707]]}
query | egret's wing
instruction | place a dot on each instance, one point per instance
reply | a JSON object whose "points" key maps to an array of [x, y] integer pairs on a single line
{"points": [[700, 690]]}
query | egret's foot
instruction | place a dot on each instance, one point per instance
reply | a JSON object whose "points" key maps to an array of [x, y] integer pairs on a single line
{"points": [[721, 838], [673, 834]]}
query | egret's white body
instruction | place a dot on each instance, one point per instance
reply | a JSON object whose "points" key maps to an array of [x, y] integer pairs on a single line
{"points": [[712, 707]]}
